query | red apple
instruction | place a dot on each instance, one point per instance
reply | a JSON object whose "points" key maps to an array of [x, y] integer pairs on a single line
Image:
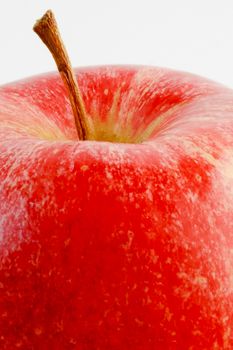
{"points": [[123, 241], [117, 245]]}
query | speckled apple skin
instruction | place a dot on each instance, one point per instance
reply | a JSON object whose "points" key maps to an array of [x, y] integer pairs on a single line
{"points": [[124, 245]]}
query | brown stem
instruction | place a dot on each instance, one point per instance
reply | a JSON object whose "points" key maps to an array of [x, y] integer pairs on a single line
{"points": [[47, 30]]}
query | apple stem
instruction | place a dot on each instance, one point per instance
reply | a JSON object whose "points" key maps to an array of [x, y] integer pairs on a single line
{"points": [[47, 30]]}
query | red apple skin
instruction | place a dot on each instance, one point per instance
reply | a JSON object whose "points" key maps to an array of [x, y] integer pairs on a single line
{"points": [[117, 245]]}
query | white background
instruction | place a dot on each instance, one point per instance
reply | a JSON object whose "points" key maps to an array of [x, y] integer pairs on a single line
{"points": [[190, 35]]}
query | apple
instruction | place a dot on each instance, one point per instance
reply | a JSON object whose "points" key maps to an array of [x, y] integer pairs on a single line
{"points": [[123, 240]]}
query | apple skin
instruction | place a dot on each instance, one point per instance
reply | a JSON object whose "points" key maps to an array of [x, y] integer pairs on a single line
{"points": [[117, 245]]}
